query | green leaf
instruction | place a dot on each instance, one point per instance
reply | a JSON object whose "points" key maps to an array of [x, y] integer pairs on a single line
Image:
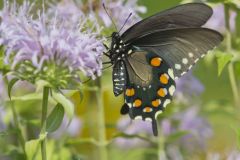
{"points": [[55, 118], [28, 97], [66, 103], [31, 148], [222, 60], [10, 85]]}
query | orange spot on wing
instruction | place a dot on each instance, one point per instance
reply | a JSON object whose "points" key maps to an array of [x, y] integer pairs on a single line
{"points": [[162, 92], [164, 78], [130, 92], [137, 103], [156, 62], [156, 103], [147, 109]]}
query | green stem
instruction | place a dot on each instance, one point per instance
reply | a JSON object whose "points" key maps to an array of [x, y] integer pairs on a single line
{"points": [[17, 125], [16, 122], [44, 121], [231, 73], [161, 144], [101, 123]]}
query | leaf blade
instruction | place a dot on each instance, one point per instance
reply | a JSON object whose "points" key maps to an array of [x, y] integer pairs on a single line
{"points": [[55, 118]]}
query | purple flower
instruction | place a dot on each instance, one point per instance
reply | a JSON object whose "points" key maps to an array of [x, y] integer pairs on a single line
{"points": [[2, 114], [48, 48], [119, 11], [199, 129], [73, 130], [234, 155], [130, 127], [67, 10], [217, 21], [187, 88]]}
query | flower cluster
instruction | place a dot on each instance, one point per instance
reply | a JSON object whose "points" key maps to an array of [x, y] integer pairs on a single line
{"points": [[188, 87], [47, 47], [119, 11], [197, 128]]}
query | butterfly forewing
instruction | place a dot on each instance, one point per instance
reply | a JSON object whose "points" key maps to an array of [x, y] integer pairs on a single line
{"points": [[187, 15], [149, 92], [180, 48]]}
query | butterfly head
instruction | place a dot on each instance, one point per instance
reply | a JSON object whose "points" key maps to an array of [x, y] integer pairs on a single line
{"points": [[115, 37], [118, 49]]}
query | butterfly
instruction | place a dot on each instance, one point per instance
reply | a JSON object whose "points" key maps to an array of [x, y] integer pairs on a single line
{"points": [[150, 55]]}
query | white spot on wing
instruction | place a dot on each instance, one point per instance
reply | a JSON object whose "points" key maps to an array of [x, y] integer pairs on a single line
{"points": [[158, 113], [178, 66], [129, 105], [170, 73], [148, 119], [138, 118], [130, 51], [196, 60], [167, 101], [190, 55], [185, 61], [171, 90]]}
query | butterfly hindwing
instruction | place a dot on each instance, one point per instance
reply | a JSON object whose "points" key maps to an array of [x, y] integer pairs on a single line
{"points": [[150, 86]]}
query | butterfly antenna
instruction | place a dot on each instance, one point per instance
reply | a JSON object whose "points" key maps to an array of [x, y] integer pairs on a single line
{"points": [[109, 16], [125, 22], [107, 67]]}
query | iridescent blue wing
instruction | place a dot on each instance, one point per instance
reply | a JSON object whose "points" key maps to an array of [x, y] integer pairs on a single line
{"points": [[149, 88], [182, 16]]}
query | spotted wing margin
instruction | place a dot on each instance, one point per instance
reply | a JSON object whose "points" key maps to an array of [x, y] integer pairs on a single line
{"points": [[186, 15], [180, 48], [150, 94], [119, 78]]}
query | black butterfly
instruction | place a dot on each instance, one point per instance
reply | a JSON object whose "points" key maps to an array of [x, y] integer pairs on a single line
{"points": [[151, 54]]}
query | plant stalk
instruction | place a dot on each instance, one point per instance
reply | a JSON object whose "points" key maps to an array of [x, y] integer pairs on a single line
{"points": [[101, 123], [16, 122], [44, 121], [231, 73], [161, 144]]}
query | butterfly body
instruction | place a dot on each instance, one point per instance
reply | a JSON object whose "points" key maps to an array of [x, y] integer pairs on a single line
{"points": [[150, 55]]}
